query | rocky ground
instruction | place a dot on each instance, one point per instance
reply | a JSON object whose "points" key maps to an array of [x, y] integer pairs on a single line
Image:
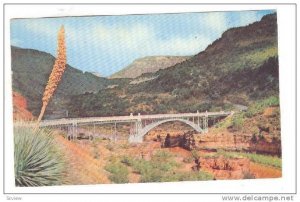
{"points": [[87, 161]]}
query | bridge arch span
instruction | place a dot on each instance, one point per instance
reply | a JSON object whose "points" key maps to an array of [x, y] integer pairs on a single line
{"points": [[149, 127]]}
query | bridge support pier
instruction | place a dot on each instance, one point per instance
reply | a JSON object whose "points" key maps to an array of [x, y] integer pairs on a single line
{"points": [[94, 130], [72, 131], [115, 132], [205, 124], [135, 138]]}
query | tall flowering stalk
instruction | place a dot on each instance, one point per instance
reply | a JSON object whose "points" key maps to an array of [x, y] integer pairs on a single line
{"points": [[57, 71]]}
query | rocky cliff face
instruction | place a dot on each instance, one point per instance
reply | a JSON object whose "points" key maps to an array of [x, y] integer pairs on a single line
{"points": [[242, 142]]}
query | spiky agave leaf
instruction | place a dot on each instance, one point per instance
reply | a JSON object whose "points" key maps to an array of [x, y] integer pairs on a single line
{"points": [[38, 161]]}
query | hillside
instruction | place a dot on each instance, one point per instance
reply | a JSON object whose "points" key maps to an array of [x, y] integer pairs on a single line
{"points": [[31, 69], [149, 64], [237, 50], [236, 70], [240, 67]]}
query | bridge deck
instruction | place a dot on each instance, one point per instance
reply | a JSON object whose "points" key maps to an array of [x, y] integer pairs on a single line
{"points": [[131, 118]]}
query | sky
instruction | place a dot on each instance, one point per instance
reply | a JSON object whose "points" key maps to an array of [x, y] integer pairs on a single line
{"points": [[107, 44]]}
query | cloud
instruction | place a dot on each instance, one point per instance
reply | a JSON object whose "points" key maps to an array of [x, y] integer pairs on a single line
{"points": [[184, 46], [215, 21], [130, 38], [96, 45], [246, 18], [38, 27], [139, 40], [107, 44], [144, 40]]}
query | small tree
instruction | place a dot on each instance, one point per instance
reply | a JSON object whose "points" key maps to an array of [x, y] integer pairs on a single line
{"points": [[254, 139], [168, 140]]}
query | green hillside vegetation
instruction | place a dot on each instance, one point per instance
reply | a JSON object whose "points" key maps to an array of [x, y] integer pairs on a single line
{"points": [[272, 161], [238, 69], [162, 168], [31, 69], [256, 108], [103, 103], [224, 56]]}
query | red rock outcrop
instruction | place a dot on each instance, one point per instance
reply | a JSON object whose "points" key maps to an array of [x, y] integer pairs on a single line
{"points": [[20, 111], [223, 168], [240, 142]]}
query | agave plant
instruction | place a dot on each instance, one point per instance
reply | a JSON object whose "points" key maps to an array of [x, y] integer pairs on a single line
{"points": [[38, 161]]}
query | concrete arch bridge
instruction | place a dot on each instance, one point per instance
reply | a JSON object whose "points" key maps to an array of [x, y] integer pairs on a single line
{"points": [[141, 124]]}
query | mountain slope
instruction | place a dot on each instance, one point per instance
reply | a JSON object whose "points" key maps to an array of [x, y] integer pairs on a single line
{"points": [[149, 64], [31, 69], [238, 69], [238, 50]]}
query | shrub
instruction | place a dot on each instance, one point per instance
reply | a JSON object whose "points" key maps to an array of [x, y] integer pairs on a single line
{"points": [[225, 123], [271, 101], [264, 159], [127, 160], [161, 155], [248, 175], [186, 176], [162, 168], [257, 158], [261, 137], [254, 138], [38, 161], [193, 176], [254, 130], [195, 154], [119, 172], [154, 170], [189, 159], [125, 146], [275, 139], [259, 106], [110, 147], [95, 150], [237, 121]]}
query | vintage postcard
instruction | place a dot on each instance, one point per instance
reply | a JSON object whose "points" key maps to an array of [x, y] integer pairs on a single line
{"points": [[146, 98]]}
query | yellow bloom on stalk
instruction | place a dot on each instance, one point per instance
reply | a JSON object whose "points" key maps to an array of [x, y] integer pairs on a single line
{"points": [[57, 71]]}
